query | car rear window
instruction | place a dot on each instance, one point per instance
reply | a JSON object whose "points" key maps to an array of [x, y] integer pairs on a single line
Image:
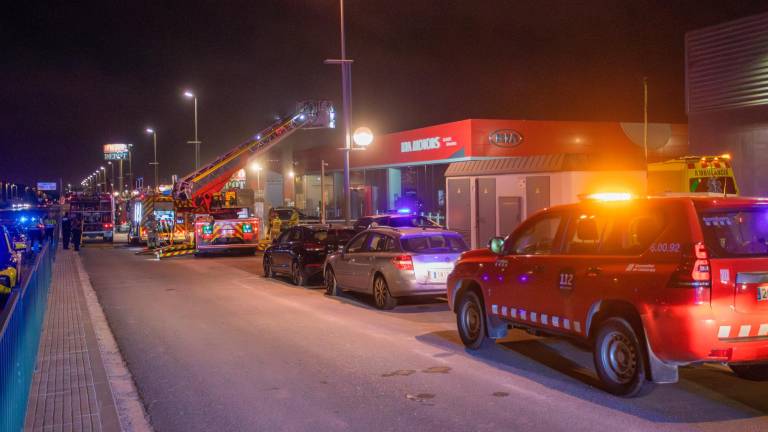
{"points": [[434, 243], [736, 233], [333, 235], [411, 221]]}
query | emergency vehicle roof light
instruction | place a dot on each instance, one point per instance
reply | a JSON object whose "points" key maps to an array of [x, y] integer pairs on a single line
{"points": [[726, 156], [610, 196], [404, 211]]}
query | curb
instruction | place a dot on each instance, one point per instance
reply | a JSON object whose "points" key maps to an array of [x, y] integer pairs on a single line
{"points": [[130, 410]]}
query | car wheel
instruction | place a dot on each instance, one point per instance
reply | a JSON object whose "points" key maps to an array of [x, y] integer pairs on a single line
{"points": [[619, 358], [268, 273], [331, 285], [381, 296], [297, 274], [470, 320], [752, 372]]}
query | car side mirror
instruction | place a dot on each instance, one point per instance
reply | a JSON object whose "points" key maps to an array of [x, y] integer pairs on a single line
{"points": [[496, 245]]}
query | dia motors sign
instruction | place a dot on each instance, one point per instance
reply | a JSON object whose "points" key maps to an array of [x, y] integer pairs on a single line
{"points": [[505, 138]]}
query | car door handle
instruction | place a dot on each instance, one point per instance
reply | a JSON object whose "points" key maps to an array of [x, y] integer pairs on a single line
{"points": [[594, 271]]}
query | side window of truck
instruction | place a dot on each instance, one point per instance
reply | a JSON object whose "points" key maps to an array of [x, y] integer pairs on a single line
{"points": [[539, 237], [633, 233]]}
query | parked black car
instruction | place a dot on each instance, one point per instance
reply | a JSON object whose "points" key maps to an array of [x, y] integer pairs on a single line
{"points": [[397, 220], [300, 251]]}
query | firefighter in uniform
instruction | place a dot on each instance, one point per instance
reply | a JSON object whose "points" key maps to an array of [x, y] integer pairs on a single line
{"points": [[151, 227], [274, 226], [294, 219]]}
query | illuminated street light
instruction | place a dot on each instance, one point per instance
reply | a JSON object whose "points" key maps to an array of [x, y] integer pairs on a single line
{"points": [[363, 136], [150, 130], [189, 95]]}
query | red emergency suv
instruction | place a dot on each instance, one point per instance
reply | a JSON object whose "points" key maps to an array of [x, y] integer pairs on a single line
{"points": [[650, 284]]}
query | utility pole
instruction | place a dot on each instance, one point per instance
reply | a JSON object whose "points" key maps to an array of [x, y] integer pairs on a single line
{"points": [[645, 119], [346, 99], [322, 191]]}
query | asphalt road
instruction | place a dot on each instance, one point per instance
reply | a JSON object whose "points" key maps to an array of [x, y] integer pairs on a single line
{"points": [[213, 346]]}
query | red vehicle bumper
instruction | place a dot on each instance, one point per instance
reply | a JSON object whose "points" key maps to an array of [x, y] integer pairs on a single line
{"points": [[691, 334]]}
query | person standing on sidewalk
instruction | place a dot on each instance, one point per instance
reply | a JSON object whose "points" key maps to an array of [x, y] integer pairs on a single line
{"points": [[66, 230], [77, 232]]}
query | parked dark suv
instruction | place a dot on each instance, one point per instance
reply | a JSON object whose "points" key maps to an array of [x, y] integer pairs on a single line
{"points": [[300, 251]]}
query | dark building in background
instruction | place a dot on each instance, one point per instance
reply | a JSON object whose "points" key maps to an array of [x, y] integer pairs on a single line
{"points": [[727, 96]]}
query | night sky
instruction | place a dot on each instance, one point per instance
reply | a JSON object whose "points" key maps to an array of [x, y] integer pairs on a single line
{"points": [[74, 76]]}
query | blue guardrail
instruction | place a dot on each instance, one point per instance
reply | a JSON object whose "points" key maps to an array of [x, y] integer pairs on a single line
{"points": [[21, 322]]}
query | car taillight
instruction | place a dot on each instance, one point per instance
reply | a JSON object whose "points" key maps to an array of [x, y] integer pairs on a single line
{"points": [[694, 272], [403, 262], [107, 225], [314, 247]]}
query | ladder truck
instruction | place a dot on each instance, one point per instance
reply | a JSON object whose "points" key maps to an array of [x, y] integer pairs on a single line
{"points": [[225, 224]]}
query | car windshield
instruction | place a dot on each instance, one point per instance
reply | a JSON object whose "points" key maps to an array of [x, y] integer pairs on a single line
{"points": [[736, 233], [410, 221], [434, 243]]}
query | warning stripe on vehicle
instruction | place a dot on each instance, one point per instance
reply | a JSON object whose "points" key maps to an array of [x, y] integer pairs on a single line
{"points": [[742, 331], [542, 319], [168, 254]]}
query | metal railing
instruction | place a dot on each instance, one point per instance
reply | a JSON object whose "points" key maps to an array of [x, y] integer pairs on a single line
{"points": [[21, 323]]}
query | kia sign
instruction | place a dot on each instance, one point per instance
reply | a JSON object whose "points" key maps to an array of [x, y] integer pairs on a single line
{"points": [[46, 186], [505, 138], [115, 151]]}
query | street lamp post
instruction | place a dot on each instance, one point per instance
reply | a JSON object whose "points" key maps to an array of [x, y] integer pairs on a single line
{"points": [[189, 95], [104, 177], [112, 177], [155, 163], [346, 94]]}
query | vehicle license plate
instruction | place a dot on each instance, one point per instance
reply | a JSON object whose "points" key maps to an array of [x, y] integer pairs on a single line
{"points": [[438, 275], [762, 292]]}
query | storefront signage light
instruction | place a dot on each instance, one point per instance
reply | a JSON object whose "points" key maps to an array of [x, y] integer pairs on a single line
{"points": [[505, 138], [432, 143]]}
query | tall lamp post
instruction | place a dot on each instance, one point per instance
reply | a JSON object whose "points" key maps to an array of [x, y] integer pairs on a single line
{"points": [[346, 92], [155, 163], [346, 99], [111, 176], [189, 95], [104, 177]]}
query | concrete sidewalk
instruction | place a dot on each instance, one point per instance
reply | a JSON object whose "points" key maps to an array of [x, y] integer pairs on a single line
{"points": [[71, 387]]}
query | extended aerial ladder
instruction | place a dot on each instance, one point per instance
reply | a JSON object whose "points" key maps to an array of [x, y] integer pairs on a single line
{"points": [[193, 194], [196, 189]]}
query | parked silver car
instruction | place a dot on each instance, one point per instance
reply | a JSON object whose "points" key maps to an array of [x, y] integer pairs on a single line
{"points": [[394, 262]]}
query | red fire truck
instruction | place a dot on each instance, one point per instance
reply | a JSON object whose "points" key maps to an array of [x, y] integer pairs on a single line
{"points": [[97, 212]]}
